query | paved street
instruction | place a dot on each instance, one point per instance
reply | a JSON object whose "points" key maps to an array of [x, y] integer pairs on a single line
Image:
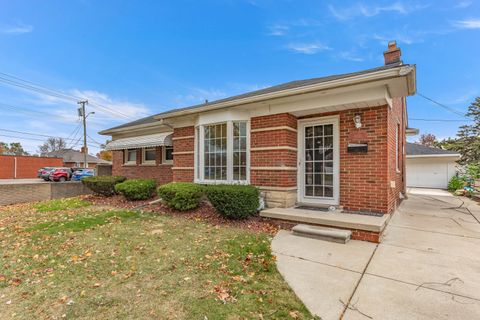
{"points": [[427, 267]]}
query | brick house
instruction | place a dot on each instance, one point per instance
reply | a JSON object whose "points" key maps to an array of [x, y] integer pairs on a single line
{"points": [[331, 141], [75, 159]]}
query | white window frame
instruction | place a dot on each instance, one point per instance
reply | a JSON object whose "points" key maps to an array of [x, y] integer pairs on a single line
{"points": [[200, 154], [144, 153], [125, 160], [164, 155]]}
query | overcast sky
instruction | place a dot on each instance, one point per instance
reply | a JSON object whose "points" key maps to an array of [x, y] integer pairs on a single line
{"points": [[137, 58]]}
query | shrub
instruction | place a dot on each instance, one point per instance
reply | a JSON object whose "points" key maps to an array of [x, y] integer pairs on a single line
{"points": [[181, 195], [455, 183], [137, 189], [234, 201], [103, 185]]}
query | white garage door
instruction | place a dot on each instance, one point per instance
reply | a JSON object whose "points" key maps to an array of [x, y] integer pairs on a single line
{"points": [[434, 172]]}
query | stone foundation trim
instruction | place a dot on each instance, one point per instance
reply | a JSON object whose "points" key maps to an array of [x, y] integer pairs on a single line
{"points": [[273, 148], [183, 152], [267, 188], [274, 168], [274, 128], [183, 168]]}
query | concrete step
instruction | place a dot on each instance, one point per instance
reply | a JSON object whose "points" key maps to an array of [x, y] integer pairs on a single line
{"points": [[327, 234], [329, 219]]}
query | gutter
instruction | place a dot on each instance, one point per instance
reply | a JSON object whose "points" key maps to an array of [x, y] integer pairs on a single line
{"points": [[444, 155]]}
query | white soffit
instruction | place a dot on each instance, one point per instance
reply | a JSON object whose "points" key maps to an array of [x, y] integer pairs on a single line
{"points": [[152, 140]]}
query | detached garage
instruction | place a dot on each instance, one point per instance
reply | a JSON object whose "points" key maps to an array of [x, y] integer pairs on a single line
{"points": [[429, 167]]}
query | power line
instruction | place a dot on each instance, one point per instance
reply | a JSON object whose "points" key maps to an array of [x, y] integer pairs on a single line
{"points": [[457, 112], [29, 85], [36, 135], [439, 120], [33, 139], [95, 141]]}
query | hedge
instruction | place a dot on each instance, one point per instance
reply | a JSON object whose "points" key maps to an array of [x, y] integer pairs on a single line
{"points": [[137, 189], [181, 195], [234, 201], [103, 185]]}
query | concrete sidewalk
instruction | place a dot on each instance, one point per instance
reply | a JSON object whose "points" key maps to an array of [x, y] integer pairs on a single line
{"points": [[427, 267]]}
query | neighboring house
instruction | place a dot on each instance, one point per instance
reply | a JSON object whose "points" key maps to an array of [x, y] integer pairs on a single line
{"points": [[75, 159], [25, 167], [336, 140], [429, 167]]}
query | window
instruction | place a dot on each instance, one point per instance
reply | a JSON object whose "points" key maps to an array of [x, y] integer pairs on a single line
{"points": [[131, 156], [239, 151], [215, 156], [149, 155], [222, 152], [167, 154]]}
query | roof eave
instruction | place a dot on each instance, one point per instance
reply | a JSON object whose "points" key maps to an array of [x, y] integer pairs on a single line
{"points": [[441, 155], [408, 71]]}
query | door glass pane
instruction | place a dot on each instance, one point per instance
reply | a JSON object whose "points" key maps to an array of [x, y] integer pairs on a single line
{"points": [[319, 161]]}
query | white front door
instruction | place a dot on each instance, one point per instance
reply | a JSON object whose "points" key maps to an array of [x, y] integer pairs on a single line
{"points": [[318, 161]]}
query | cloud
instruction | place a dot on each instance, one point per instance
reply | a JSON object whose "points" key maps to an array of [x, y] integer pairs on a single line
{"points": [[307, 48], [16, 29], [465, 97], [198, 95], [351, 56], [463, 4], [277, 30], [467, 24], [101, 103], [399, 37], [366, 11]]}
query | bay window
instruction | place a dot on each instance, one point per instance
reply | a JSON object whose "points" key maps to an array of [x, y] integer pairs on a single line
{"points": [[222, 154]]}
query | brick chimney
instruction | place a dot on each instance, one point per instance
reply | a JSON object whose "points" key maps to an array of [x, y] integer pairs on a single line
{"points": [[393, 54]]}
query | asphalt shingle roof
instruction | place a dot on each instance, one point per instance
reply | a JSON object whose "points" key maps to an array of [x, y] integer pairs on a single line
{"points": [[414, 149], [280, 87], [70, 155]]}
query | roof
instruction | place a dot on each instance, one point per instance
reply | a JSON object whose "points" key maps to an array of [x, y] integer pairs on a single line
{"points": [[415, 149], [70, 155], [276, 88], [152, 140]]}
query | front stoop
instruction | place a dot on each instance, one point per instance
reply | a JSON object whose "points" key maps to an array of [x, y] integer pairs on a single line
{"points": [[322, 233], [363, 227]]}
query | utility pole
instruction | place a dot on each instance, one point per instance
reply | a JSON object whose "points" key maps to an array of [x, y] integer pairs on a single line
{"points": [[83, 114]]}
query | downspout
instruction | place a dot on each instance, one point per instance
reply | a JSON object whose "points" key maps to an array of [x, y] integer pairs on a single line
{"points": [[15, 168]]}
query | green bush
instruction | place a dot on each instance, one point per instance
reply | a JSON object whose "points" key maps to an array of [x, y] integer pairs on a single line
{"points": [[455, 183], [234, 201], [181, 195], [137, 189], [103, 185]]}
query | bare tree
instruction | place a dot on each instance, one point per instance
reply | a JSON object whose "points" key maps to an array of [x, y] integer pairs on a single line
{"points": [[52, 144], [428, 139]]}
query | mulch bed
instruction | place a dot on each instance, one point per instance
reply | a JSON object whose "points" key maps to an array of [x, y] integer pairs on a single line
{"points": [[205, 213]]}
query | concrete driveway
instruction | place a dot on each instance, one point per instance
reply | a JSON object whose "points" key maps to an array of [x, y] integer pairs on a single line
{"points": [[427, 266]]}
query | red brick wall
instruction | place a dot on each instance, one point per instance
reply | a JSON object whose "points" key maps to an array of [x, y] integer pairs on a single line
{"points": [[364, 176], [27, 166], [159, 171], [281, 157], [183, 157], [396, 117]]}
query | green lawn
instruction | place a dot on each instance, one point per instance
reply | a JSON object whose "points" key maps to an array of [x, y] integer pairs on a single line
{"points": [[86, 262]]}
